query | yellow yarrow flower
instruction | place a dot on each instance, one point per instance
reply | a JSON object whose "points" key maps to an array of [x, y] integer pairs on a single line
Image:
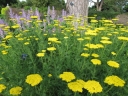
{"points": [[113, 53], [123, 38], [96, 61], [15, 90], [49, 75], [114, 80], [36, 39], [51, 48], [106, 42], [43, 50], [8, 37], [95, 55], [33, 79], [26, 43], [15, 26], [52, 39], [80, 39], [93, 86], [20, 39], [67, 76], [2, 87], [75, 86], [4, 52], [65, 37], [113, 64], [94, 46], [34, 17], [85, 48], [85, 54], [105, 38], [40, 54]]}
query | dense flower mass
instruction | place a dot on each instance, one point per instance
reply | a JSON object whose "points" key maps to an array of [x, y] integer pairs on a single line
{"points": [[76, 86], [94, 46], [66, 51], [67, 76], [96, 61], [2, 87], [52, 39], [114, 80], [40, 54], [93, 86], [106, 42], [85, 54], [33, 79], [113, 64], [15, 91], [95, 55], [113, 53], [51, 48]]}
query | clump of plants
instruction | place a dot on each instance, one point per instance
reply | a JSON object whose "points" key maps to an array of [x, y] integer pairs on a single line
{"points": [[62, 56]]}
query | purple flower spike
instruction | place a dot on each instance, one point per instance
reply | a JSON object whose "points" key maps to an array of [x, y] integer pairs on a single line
{"points": [[37, 14], [63, 13], [53, 15], [1, 33], [23, 14], [48, 12], [11, 14], [2, 21], [18, 19]]}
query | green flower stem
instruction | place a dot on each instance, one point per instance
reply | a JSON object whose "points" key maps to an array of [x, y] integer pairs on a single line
{"points": [[91, 94], [94, 72], [75, 94], [109, 89], [123, 45]]}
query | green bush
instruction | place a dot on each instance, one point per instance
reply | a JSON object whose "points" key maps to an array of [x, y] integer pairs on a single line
{"points": [[4, 10], [103, 14]]}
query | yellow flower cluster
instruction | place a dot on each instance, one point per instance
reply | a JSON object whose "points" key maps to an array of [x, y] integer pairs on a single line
{"points": [[4, 52], [113, 64], [95, 55], [85, 54], [76, 86], [2, 87], [93, 86], [53, 39], [114, 80], [113, 53], [123, 38], [67, 76], [33, 79], [15, 90], [40, 54], [94, 46], [96, 61], [51, 48], [106, 42]]}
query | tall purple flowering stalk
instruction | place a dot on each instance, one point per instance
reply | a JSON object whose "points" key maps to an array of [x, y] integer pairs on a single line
{"points": [[1, 33], [11, 14], [53, 14], [37, 13], [48, 15]]}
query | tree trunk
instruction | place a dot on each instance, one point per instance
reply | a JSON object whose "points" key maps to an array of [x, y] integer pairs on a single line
{"points": [[99, 5], [77, 7]]}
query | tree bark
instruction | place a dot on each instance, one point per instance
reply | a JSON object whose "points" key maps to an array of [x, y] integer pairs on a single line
{"points": [[77, 7], [100, 4]]}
